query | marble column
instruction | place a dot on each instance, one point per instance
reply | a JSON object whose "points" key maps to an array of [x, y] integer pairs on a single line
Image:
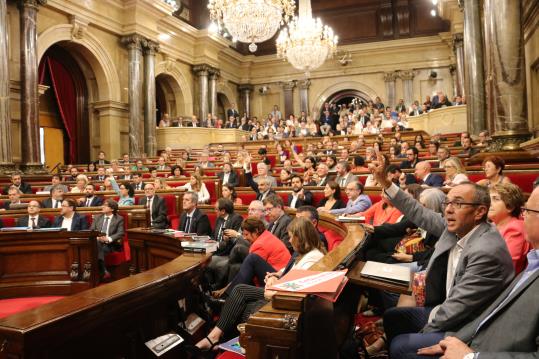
{"points": [[303, 86], [288, 92], [202, 73], [212, 90], [6, 154], [30, 151], [474, 78], [150, 121], [407, 78], [136, 124], [245, 95], [390, 78], [506, 75], [458, 48]]}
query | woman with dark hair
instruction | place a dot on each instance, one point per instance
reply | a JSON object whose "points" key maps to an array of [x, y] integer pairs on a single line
{"points": [[91, 167], [124, 190], [176, 172], [332, 198], [228, 191], [493, 167], [285, 177], [506, 199], [246, 300]]}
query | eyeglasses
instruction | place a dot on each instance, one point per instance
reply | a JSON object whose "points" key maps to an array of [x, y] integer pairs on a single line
{"points": [[458, 204], [268, 209], [449, 166], [526, 211]]}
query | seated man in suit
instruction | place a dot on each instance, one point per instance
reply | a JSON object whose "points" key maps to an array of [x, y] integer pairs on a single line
{"points": [[412, 159], [16, 180], [101, 174], [321, 177], [278, 219], [516, 310], [138, 185], [111, 226], [470, 265], [299, 196], [56, 198], [227, 219], [14, 195], [262, 187], [33, 219], [69, 218], [90, 199], [422, 171], [228, 175], [157, 205], [193, 220], [263, 172], [344, 177], [101, 160]]}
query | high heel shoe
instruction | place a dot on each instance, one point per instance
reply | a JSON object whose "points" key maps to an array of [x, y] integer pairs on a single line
{"points": [[196, 352]]}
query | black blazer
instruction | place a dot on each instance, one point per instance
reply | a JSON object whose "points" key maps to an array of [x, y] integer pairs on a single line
{"points": [[306, 201], [96, 202], [233, 222], [105, 162], [78, 223], [142, 185], [159, 211], [47, 203], [116, 229], [24, 188], [281, 230], [337, 205], [233, 179], [42, 222], [407, 164], [200, 223]]}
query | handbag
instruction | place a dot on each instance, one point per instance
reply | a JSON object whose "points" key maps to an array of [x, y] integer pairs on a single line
{"points": [[411, 243]]}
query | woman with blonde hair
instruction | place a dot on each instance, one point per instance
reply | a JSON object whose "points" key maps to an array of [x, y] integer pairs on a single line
{"points": [[195, 184], [81, 183], [160, 183], [454, 172]]}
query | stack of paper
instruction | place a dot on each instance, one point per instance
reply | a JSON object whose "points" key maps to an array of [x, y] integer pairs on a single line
{"points": [[391, 273], [200, 247], [327, 285], [350, 219]]}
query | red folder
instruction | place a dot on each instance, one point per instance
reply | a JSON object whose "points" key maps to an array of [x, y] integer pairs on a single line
{"points": [[329, 288]]}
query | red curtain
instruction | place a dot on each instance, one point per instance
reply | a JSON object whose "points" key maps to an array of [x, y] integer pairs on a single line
{"points": [[65, 93]]}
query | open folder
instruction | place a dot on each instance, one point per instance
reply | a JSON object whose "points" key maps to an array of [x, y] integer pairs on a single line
{"points": [[391, 273], [327, 285]]}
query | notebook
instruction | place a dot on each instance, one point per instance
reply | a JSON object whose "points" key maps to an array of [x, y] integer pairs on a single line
{"points": [[391, 273]]}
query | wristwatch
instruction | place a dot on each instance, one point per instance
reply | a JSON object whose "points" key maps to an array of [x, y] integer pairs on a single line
{"points": [[471, 356]]}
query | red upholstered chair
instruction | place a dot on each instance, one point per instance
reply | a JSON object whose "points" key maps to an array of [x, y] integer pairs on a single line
{"points": [[375, 198], [230, 355], [247, 197], [284, 197], [116, 262], [9, 221], [317, 197], [332, 237]]}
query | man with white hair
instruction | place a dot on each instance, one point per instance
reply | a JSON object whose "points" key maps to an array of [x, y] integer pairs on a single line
{"points": [[422, 171]]}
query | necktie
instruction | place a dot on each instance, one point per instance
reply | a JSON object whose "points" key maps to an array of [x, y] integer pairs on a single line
{"points": [[221, 230], [343, 181], [272, 227], [88, 202], [104, 229], [56, 205], [33, 222], [187, 225]]}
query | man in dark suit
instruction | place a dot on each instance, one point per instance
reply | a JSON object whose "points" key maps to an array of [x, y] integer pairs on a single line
{"points": [[232, 112], [69, 218], [299, 196], [422, 171], [506, 329], [194, 122], [157, 206], [469, 267], [111, 225], [227, 222], [90, 200], [56, 198], [262, 188], [14, 195], [412, 159], [193, 220], [33, 219], [16, 180], [138, 185], [321, 177], [327, 118], [278, 220], [101, 160], [228, 175]]}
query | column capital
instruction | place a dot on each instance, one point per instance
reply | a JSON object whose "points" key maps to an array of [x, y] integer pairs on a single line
{"points": [[407, 75], [214, 73], [150, 47], [31, 3], [133, 41], [288, 85], [304, 84], [390, 76], [202, 69], [245, 88]]}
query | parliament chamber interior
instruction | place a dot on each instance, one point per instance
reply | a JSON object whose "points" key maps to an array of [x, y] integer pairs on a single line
{"points": [[269, 179]]}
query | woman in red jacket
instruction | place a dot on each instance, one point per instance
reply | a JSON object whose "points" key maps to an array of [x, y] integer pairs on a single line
{"points": [[267, 254]]}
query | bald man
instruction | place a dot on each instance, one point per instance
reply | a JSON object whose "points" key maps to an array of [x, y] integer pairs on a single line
{"points": [[422, 171]]}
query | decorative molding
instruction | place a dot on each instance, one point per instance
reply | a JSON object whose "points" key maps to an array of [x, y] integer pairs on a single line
{"points": [[391, 76], [246, 88], [31, 3], [288, 85], [133, 41], [304, 84], [407, 75], [80, 26], [201, 70], [150, 47]]}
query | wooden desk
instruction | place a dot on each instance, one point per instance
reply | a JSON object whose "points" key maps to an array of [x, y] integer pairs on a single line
{"points": [[183, 137], [47, 263], [355, 277], [112, 320]]}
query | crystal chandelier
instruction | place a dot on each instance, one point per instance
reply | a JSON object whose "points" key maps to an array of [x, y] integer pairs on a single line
{"points": [[251, 21], [306, 44]]}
